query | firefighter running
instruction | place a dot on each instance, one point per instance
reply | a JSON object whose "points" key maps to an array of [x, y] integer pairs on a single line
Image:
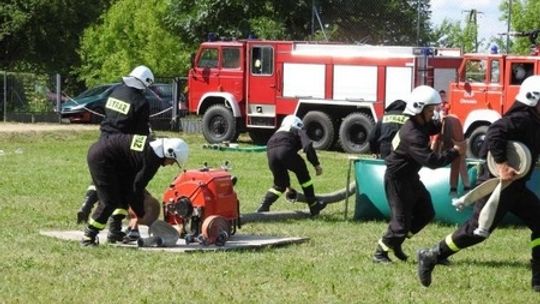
{"points": [[282, 152], [121, 166], [521, 123], [409, 201]]}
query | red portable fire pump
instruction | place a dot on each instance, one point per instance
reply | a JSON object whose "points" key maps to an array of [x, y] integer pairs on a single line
{"points": [[202, 205]]}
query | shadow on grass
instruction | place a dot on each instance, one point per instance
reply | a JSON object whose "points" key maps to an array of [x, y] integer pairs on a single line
{"points": [[491, 263]]}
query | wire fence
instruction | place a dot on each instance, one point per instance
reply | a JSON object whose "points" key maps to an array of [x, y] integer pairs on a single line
{"points": [[30, 98]]}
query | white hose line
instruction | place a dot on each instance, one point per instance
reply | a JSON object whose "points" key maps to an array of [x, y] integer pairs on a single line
{"points": [[518, 157]]}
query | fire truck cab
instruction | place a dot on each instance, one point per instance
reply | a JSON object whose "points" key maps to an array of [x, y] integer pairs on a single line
{"points": [[486, 88], [338, 90]]}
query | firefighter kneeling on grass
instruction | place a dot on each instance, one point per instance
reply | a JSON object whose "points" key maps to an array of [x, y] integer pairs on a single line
{"points": [[121, 166], [282, 152]]}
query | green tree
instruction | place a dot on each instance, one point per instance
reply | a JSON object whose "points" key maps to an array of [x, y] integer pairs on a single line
{"points": [[376, 22], [121, 41], [524, 19], [43, 35], [194, 20], [453, 34], [391, 22]]}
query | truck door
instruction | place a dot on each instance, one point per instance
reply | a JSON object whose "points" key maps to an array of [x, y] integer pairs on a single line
{"points": [[494, 93], [261, 86], [470, 92], [204, 75], [231, 77]]}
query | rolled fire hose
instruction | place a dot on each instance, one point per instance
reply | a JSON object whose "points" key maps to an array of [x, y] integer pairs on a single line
{"points": [[518, 157]]}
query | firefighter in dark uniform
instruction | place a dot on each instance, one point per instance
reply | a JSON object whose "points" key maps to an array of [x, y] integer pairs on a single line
{"points": [[126, 112], [410, 202], [121, 166], [282, 152], [380, 138], [521, 123]]}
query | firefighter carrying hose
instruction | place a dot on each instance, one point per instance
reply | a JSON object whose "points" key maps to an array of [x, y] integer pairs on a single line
{"points": [[121, 166], [282, 153], [410, 202], [127, 111], [521, 123]]}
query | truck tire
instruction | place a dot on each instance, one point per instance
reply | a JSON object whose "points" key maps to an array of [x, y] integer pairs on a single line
{"points": [[475, 141], [219, 125], [354, 131], [320, 129], [260, 136]]}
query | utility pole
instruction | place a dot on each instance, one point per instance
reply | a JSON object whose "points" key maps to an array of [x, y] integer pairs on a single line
{"points": [[472, 20], [5, 96]]}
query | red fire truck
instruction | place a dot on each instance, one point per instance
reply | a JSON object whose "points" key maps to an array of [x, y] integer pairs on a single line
{"points": [[486, 88], [338, 90]]}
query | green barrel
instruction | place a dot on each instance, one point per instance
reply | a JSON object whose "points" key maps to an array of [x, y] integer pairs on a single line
{"points": [[371, 203]]}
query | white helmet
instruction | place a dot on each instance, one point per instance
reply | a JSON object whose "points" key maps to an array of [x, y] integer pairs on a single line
{"points": [[419, 98], [291, 122], [529, 92], [172, 148], [140, 78]]}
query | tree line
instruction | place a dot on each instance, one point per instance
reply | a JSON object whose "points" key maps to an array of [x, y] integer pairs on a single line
{"points": [[93, 41]]}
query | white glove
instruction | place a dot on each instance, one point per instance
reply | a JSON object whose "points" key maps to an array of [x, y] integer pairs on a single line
{"points": [[458, 204]]}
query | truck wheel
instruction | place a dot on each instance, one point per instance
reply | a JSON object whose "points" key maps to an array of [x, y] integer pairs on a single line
{"points": [[219, 125], [320, 129], [475, 141], [260, 136], [354, 131]]}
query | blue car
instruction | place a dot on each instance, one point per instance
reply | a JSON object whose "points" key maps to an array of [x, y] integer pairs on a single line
{"points": [[83, 108]]}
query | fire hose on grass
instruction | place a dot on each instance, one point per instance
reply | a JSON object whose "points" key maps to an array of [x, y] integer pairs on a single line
{"points": [[332, 197], [518, 157]]}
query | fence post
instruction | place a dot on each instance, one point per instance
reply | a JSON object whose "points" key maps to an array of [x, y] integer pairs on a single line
{"points": [[174, 118], [5, 96], [58, 96]]}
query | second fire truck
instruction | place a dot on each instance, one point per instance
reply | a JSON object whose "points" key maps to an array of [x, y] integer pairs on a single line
{"points": [[486, 88]]}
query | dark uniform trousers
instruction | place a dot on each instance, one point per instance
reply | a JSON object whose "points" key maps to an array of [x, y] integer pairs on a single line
{"points": [[411, 208], [109, 188], [281, 159], [517, 199]]}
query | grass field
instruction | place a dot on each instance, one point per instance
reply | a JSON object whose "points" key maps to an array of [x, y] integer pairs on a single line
{"points": [[42, 185]]}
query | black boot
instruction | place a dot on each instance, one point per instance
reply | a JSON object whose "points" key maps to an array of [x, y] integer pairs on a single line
{"points": [[132, 235], [115, 229], [444, 262], [90, 237], [535, 265], [398, 252], [267, 201], [381, 256], [316, 207], [89, 201], [427, 259]]}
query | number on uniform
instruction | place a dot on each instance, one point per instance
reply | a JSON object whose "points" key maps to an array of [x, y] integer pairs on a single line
{"points": [[137, 142]]}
